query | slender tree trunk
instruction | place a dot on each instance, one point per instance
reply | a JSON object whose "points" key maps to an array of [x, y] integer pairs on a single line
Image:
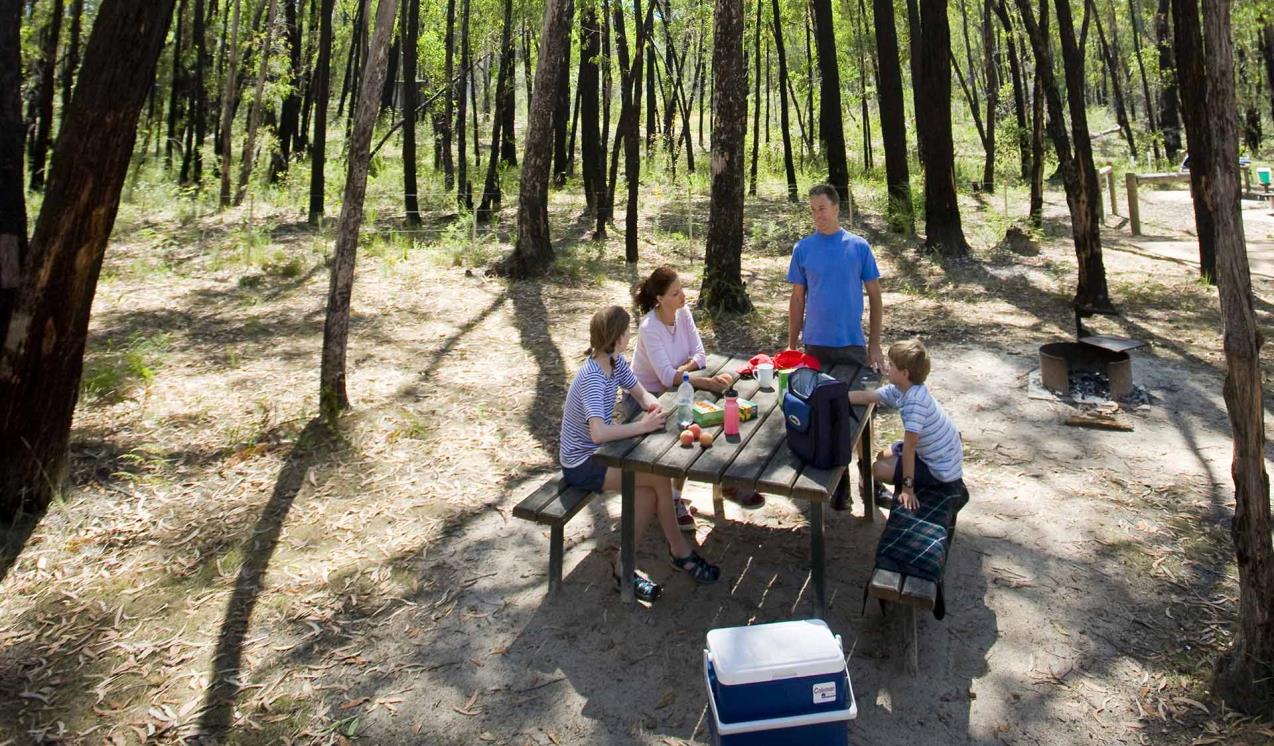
{"points": [[491, 196], [290, 111], [1078, 172], [71, 62], [1192, 76], [811, 66], [915, 58], [632, 146], [893, 123], [627, 118], [448, 115], [463, 185], [1169, 103], [756, 100], [533, 253], [508, 111], [1243, 673], [410, 30], [1267, 56], [192, 161], [860, 42], [175, 90], [1134, 13], [785, 127], [944, 233], [44, 96], [13, 210], [723, 288], [41, 358], [830, 129], [228, 105], [992, 95], [333, 397], [1117, 88], [592, 159], [1019, 87], [1037, 133], [322, 96], [562, 118], [652, 113], [254, 112]]}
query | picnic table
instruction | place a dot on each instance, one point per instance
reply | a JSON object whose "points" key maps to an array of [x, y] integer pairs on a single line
{"points": [[757, 459]]}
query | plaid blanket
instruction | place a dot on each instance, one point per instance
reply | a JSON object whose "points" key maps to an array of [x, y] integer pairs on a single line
{"points": [[915, 543]]}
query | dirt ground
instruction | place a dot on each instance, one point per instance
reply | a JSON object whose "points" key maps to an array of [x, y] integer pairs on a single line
{"points": [[226, 569]]}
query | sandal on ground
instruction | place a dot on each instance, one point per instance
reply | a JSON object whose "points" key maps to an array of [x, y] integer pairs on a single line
{"points": [[746, 499], [703, 571], [644, 589]]}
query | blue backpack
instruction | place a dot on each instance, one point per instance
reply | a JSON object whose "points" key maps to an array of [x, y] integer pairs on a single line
{"points": [[820, 422]]}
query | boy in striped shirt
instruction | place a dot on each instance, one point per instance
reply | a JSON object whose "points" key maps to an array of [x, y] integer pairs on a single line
{"points": [[930, 453]]}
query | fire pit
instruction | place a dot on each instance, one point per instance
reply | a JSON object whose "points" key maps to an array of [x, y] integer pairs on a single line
{"points": [[1058, 360]]}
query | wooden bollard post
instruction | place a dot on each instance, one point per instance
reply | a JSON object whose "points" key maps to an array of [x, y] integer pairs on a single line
{"points": [[1134, 210], [1110, 187]]}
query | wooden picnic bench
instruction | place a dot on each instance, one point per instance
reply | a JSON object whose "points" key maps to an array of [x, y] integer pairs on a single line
{"points": [[758, 458]]}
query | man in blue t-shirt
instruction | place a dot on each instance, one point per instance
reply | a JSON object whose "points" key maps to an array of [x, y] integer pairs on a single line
{"points": [[830, 268]]}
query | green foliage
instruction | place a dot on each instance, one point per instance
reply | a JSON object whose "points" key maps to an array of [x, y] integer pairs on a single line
{"points": [[117, 371]]}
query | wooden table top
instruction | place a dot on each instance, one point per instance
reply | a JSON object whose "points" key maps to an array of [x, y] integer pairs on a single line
{"points": [[758, 459]]}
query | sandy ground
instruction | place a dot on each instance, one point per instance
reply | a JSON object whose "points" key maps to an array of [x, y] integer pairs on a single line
{"points": [[226, 569]]}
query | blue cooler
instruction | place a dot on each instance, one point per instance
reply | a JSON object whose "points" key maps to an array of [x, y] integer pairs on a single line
{"points": [[782, 683]]}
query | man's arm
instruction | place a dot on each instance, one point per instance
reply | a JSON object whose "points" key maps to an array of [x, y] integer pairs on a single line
{"points": [[795, 316], [875, 357]]}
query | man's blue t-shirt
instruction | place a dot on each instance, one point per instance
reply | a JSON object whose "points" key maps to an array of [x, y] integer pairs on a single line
{"points": [[833, 269]]}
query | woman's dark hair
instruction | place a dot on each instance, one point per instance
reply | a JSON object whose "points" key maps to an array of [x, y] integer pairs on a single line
{"points": [[646, 292]]}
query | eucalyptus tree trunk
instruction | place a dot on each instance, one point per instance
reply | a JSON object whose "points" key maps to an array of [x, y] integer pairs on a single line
{"points": [[893, 122], [42, 354], [254, 113], [228, 92], [944, 233], [410, 22], [491, 195], [785, 126], [1169, 102], [44, 97], [333, 397], [830, 128], [13, 209], [322, 96], [723, 288]]}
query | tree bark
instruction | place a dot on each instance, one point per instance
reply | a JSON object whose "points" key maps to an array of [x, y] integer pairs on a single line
{"points": [[410, 30], [893, 118], [290, 111], [1242, 675], [42, 357], [1078, 172], [448, 115], [756, 100], [44, 96], [1116, 87], [175, 88], [71, 62], [533, 253], [1169, 103], [992, 95], [322, 96], [632, 146], [491, 196], [944, 233], [592, 159], [1193, 81], [723, 288], [254, 112], [228, 105], [463, 186], [1134, 14], [914, 42], [1037, 136], [562, 116], [1019, 87], [830, 128], [192, 161], [508, 110], [333, 397], [13, 209], [785, 126]]}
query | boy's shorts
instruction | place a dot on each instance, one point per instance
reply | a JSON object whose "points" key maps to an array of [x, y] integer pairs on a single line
{"points": [[924, 477], [590, 475]]}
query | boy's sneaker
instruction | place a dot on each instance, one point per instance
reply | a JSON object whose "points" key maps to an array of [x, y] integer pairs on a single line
{"points": [[685, 521], [884, 497]]}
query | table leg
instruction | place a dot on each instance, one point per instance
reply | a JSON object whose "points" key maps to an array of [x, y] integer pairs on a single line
{"points": [[818, 559], [866, 481], [627, 522]]}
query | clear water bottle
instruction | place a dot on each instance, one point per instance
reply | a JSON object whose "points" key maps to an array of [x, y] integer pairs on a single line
{"points": [[685, 402]]}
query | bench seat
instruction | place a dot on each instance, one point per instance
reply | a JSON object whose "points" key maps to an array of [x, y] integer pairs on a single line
{"points": [[553, 504]]}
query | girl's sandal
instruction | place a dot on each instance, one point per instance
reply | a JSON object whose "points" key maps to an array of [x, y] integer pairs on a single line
{"points": [[703, 571], [644, 589]]}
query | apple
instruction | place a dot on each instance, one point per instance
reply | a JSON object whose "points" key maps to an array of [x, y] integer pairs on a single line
{"points": [[696, 430], [687, 438], [705, 440]]}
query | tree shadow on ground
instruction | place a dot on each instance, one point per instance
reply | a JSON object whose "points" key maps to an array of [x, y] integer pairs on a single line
{"points": [[531, 317], [316, 444], [13, 538]]}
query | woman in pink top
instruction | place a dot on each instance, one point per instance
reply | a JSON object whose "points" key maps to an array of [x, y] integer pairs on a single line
{"points": [[668, 345]]}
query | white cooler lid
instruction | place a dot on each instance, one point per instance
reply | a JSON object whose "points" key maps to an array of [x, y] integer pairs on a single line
{"points": [[767, 652]]}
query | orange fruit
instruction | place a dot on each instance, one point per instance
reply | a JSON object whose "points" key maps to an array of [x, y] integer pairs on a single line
{"points": [[705, 440], [687, 438]]}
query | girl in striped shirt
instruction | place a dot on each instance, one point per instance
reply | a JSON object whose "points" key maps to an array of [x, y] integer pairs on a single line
{"points": [[586, 424]]}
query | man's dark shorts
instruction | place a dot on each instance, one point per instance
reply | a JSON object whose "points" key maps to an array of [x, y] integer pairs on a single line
{"points": [[590, 475], [832, 356]]}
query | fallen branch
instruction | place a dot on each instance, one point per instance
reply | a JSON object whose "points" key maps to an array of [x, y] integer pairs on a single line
{"points": [[1098, 420]]}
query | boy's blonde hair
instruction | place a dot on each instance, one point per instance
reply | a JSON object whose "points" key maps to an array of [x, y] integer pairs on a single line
{"points": [[910, 355], [607, 326]]}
